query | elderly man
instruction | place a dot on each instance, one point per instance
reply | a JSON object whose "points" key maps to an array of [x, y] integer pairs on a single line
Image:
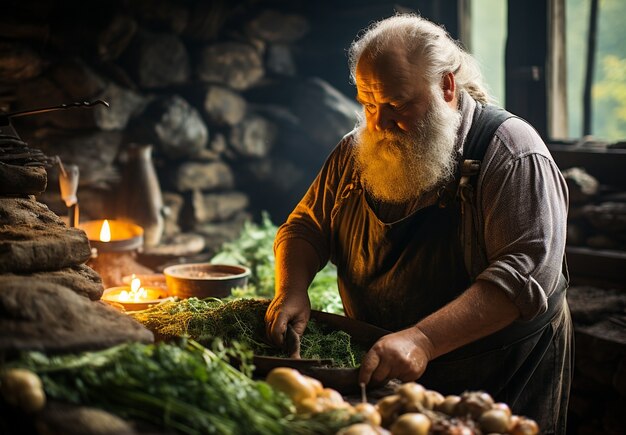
{"points": [[395, 208]]}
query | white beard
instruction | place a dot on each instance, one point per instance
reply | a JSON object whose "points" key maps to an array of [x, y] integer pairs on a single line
{"points": [[398, 167]]}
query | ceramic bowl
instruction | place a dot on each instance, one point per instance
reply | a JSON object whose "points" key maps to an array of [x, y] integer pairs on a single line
{"points": [[203, 280]]}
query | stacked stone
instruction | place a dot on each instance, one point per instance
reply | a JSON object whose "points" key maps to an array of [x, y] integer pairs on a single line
{"points": [[213, 87], [49, 297]]}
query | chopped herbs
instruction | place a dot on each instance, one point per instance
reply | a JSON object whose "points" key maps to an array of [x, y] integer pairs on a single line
{"points": [[242, 321]]}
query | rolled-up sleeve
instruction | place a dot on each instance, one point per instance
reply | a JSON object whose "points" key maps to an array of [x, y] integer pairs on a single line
{"points": [[522, 201]]}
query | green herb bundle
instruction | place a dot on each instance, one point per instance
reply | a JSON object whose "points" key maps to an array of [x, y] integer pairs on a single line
{"points": [[254, 248], [242, 321], [188, 389]]}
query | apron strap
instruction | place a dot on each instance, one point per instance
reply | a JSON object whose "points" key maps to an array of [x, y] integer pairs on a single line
{"points": [[487, 119]]}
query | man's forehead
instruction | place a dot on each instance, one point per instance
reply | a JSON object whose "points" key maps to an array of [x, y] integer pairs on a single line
{"points": [[387, 74]]}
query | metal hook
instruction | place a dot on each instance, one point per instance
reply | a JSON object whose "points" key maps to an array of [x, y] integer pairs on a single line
{"points": [[53, 108]]}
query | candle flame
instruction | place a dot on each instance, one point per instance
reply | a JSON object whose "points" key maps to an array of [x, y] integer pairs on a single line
{"points": [[135, 284], [136, 293], [105, 232]]}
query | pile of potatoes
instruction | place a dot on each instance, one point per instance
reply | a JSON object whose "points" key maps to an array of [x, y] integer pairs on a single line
{"points": [[310, 396], [412, 410]]}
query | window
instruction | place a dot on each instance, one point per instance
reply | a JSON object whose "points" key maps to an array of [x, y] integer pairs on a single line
{"points": [[608, 92], [488, 42]]}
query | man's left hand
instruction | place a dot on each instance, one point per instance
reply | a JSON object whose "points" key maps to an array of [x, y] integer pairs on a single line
{"points": [[401, 355]]}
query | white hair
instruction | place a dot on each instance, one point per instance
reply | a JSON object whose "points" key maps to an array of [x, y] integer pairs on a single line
{"points": [[427, 45]]}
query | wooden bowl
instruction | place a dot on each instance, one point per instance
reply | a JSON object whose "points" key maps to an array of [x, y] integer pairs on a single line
{"points": [[344, 380], [204, 280]]}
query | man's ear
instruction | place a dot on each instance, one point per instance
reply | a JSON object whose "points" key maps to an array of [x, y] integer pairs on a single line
{"points": [[448, 86]]}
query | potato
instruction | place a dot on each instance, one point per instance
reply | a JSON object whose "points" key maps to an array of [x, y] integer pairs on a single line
{"points": [[333, 396], [411, 392], [369, 412], [389, 407], [503, 407], [474, 403], [525, 426], [494, 420], [432, 399], [309, 405], [292, 383], [412, 423], [316, 384], [23, 388], [448, 406], [358, 429]]}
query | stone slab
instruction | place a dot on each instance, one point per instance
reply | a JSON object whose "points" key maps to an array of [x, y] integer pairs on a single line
{"points": [[81, 279], [39, 315], [34, 239]]}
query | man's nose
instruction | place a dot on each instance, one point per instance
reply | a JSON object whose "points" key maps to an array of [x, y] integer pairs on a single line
{"points": [[383, 120]]}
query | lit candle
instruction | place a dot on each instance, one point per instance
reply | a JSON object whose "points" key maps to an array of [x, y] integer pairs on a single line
{"points": [[105, 232], [110, 235], [136, 296]]}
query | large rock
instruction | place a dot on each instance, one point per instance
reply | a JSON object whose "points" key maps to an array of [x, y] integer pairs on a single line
{"points": [[254, 137], [234, 64], [74, 81], [223, 106], [81, 279], [24, 180], [38, 315], [323, 113], [34, 239], [157, 60], [275, 26], [203, 176], [174, 126], [217, 207], [93, 151]]}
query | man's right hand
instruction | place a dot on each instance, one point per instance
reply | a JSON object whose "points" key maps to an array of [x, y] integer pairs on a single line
{"points": [[287, 308]]}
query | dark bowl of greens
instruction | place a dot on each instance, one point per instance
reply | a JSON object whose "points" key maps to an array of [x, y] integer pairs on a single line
{"points": [[204, 280], [332, 348]]}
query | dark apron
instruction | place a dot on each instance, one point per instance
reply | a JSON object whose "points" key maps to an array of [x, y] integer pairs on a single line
{"points": [[393, 275]]}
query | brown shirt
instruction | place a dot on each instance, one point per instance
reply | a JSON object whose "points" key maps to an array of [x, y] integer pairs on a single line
{"points": [[522, 211]]}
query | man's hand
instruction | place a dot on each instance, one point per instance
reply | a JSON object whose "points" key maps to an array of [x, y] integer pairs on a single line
{"points": [[287, 308], [296, 265], [481, 310], [402, 355]]}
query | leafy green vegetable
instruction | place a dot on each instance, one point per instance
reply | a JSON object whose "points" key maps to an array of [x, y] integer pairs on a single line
{"points": [[254, 248], [189, 389], [186, 388]]}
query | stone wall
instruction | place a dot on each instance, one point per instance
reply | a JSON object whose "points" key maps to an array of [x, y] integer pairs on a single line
{"points": [[213, 87]]}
